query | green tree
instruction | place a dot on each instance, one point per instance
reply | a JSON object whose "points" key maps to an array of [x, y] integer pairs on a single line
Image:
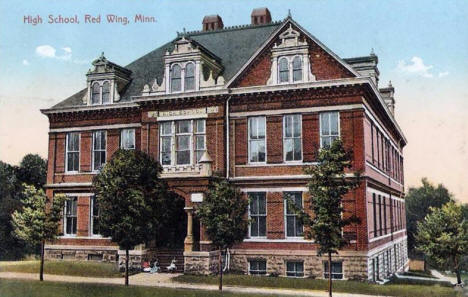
{"points": [[223, 214], [38, 220], [132, 200], [10, 246], [327, 186], [418, 203], [33, 170], [443, 236]]}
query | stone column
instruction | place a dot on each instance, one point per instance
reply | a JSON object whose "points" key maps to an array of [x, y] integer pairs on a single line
{"points": [[188, 242]]}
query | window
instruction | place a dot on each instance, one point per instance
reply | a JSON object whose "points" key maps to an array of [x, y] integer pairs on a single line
{"points": [[105, 92], [127, 139], [70, 216], [297, 69], [374, 207], [166, 142], [95, 93], [257, 149], [73, 152], [372, 142], [182, 142], [292, 141], [176, 78], [94, 216], [183, 135], [189, 83], [295, 269], [257, 267], [329, 128], [336, 270], [385, 213], [294, 227], [380, 215], [99, 149], [199, 137], [283, 68], [257, 214]]}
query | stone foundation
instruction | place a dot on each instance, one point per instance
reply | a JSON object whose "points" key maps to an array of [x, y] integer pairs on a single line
{"points": [[201, 262], [81, 254], [354, 266]]}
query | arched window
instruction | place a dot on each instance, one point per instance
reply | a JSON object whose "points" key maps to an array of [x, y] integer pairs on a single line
{"points": [[297, 69], [175, 78], [106, 92], [95, 93], [283, 70], [189, 77]]}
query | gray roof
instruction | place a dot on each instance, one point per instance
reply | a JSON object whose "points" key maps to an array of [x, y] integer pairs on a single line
{"points": [[233, 46]]}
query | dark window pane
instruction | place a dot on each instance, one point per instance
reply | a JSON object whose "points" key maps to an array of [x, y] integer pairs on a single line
{"points": [[175, 78], [106, 92]]}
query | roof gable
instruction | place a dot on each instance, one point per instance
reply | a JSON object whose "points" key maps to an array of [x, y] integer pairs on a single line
{"points": [[325, 64]]}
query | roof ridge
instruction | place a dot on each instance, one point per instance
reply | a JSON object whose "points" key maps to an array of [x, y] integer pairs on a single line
{"points": [[230, 28]]}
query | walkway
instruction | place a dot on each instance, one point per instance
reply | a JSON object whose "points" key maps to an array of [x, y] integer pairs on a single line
{"points": [[165, 281]]}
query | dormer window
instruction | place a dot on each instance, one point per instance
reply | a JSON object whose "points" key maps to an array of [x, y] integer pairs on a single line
{"points": [[189, 77], [105, 82], [100, 93], [182, 77], [176, 78], [297, 68], [290, 59], [283, 70]]}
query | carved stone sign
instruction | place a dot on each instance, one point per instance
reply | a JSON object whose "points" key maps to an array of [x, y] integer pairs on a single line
{"points": [[196, 197], [183, 112]]}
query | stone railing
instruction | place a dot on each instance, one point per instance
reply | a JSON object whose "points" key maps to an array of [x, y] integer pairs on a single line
{"points": [[202, 169]]}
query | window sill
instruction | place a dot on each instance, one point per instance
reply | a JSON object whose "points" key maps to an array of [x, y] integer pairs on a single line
{"points": [[290, 163]]}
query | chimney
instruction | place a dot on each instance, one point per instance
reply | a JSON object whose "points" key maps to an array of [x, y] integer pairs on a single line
{"points": [[212, 22], [260, 16], [388, 97], [366, 66]]}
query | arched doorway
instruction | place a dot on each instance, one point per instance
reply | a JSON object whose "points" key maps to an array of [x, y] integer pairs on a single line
{"points": [[169, 241]]}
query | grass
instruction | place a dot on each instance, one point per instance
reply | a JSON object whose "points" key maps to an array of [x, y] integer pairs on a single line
{"points": [[79, 268], [23, 288], [321, 285]]}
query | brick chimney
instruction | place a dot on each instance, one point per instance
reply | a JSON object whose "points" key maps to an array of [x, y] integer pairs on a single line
{"points": [[260, 16], [212, 22], [388, 97]]}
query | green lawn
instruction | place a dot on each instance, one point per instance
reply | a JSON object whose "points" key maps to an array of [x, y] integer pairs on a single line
{"points": [[22, 288], [81, 268], [311, 284]]}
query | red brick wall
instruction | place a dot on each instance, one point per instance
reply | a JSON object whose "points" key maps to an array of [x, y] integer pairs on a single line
{"points": [[311, 136], [83, 216], [258, 72], [275, 215], [241, 141], [274, 129]]}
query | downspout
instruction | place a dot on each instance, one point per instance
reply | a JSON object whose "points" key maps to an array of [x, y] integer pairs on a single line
{"points": [[227, 138]]}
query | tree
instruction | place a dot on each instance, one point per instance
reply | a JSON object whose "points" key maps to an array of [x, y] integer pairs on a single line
{"points": [[38, 220], [223, 214], [132, 200], [327, 186], [418, 203], [10, 246], [443, 236], [33, 170]]}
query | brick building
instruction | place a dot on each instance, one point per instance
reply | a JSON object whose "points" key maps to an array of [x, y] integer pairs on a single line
{"points": [[252, 104]]}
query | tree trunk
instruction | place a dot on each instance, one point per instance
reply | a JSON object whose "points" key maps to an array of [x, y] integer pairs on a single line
{"points": [[41, 269], [126, 266], [329, 274], [457, 270], [220, 267]]}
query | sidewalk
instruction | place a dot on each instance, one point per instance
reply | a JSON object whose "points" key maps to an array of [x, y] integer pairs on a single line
{"points": [[165, 281]]}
